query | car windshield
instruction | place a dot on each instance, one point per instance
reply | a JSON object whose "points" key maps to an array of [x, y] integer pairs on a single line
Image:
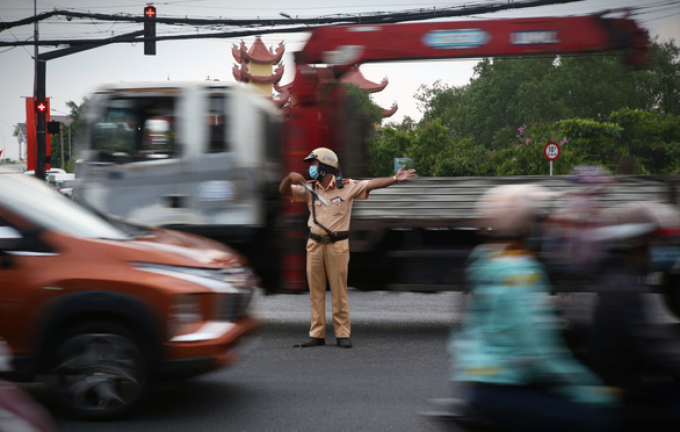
{"points": [[135, 129], [34, 201]]}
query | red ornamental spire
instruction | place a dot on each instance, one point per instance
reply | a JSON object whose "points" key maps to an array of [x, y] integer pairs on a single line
{"points": [[258, 52], [390, 112], [281, 99], [354, 76]]}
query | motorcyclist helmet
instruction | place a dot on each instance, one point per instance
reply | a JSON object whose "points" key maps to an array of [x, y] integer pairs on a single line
{"points": [[512, 211], [590, 175]]}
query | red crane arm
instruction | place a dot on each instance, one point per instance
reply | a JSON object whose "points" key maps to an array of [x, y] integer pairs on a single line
{"points": [[348, 45]]}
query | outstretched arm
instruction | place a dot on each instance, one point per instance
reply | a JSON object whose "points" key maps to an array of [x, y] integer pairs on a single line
{"points": [[402, 175]]}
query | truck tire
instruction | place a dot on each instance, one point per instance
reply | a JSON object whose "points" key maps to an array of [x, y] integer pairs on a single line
{"points": [[98, 371]]}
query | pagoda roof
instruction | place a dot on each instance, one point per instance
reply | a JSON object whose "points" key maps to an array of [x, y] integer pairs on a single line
{"points": [[258, 52], [281, 99], [390, 112], [354, 76], [242, 74], [284, 88]]}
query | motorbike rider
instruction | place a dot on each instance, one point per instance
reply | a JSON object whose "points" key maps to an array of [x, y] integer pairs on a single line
{"points": [[627, 348], [508, 352]]}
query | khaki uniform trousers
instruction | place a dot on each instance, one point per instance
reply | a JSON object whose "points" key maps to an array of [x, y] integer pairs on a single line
{"points": [[330, 262]]}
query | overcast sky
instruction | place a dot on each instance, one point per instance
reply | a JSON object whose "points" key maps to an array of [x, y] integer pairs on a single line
{"points": [[73, 77]]}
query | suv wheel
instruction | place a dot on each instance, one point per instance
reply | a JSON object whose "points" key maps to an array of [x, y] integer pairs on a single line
{"points": [[99, 373]]}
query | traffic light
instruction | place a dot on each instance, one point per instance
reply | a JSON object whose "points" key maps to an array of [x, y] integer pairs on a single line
{"points": [[53, 127], [40, 106], [149, 30]]}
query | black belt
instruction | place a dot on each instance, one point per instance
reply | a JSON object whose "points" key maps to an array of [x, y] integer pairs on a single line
{"points": [[340, 235]]}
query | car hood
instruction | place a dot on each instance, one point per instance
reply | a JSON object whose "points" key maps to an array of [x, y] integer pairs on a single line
{"points": [[170, 247]]}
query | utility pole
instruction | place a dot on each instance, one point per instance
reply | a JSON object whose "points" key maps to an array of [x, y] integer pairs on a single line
{"points": [[41, 124], [70, 150], [39, 97], [41, 103], [61, 135]]}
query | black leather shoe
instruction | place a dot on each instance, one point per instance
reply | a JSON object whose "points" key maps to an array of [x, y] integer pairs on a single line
{"points": [[344, 343], [312, 342]]}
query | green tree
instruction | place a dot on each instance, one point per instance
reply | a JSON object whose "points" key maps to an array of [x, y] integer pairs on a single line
{"points": [[650, 140], [430, 146], [389, 143], [465, 158], [444, 103], [407, 124], [593, 142], [361, 118], [73, 129], [528, 159], [662, 78], [55, 147], [508, 92]]}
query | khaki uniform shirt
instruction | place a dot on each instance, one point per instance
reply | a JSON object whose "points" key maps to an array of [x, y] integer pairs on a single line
{"points": [[337, 215]]}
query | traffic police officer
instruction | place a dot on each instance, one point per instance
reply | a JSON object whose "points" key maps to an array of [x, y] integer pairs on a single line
{"points": [[328, 244]]}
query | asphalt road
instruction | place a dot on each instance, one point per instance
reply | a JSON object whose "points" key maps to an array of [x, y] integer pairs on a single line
{"points": [[398, 362]]}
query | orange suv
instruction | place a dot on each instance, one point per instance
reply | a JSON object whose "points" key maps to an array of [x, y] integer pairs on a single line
{"points": [[100, 308]]}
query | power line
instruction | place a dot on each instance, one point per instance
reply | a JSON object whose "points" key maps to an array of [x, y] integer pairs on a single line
{"points": [[373, 18], [16, 38], [274, 10], [233, 34], [661, 17], [204, 27]]}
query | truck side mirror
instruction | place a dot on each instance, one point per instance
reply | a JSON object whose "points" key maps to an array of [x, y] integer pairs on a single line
{"points": [[10, 239]]}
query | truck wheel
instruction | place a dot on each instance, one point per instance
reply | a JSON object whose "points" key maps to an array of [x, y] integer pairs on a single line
{"points": [[98, 372]]}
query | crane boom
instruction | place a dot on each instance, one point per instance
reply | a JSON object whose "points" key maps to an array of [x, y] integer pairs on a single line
{"points": [[355, 44]]}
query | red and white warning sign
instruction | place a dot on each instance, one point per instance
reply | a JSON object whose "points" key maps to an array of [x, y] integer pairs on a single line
{"points": [[552, 151]]}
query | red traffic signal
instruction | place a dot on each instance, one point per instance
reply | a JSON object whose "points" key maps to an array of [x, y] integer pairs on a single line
{"points": [[150, 11], [149, 30], [40, 106]]}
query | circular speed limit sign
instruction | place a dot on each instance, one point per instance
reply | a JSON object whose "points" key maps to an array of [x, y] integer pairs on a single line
{"points": [[552, 151]]}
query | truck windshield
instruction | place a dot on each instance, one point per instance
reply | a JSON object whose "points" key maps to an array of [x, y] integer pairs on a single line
{"points": [[32, 200], [131, 129]]}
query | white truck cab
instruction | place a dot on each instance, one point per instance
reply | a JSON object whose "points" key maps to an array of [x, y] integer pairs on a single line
{"points": [[202, 155]]}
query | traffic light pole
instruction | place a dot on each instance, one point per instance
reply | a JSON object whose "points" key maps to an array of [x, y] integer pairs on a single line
{"points": [[131, 37], [41, 125], [40, 94]]}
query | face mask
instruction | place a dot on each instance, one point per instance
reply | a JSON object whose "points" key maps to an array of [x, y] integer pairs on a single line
{"points": [[314, 172]]}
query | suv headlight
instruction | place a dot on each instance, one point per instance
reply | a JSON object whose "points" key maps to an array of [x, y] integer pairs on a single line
{"points": [[227, 280]]}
